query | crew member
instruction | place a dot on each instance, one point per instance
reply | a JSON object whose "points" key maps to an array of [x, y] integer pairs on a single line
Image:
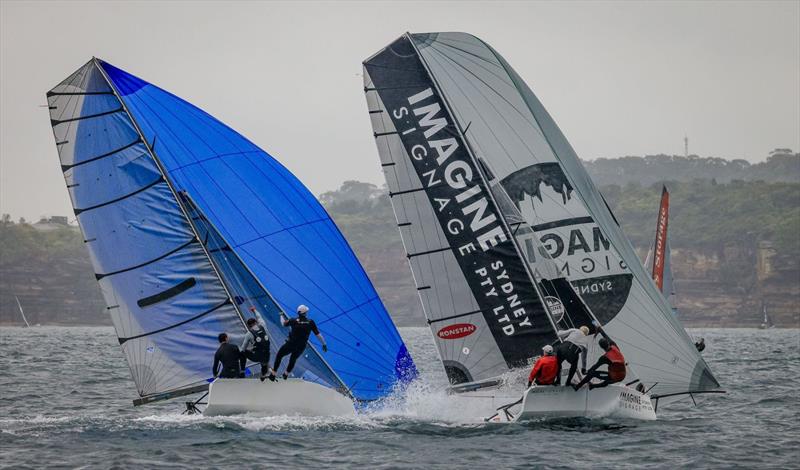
{"points": [[545, 370], [700, 345], [615, 361], [256, 347], [575, 343], [228, 356], [301, 329]]}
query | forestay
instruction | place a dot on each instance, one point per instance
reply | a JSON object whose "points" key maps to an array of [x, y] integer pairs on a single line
{"points": [[254, 301], [507, 126], [128, 150], [278, 230]]}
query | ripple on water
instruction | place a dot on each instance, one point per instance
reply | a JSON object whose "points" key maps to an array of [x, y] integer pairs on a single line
{"points": [[76, 411]]}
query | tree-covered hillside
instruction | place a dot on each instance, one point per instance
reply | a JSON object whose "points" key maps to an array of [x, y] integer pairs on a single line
{"points": [[782, 165], [735, 244]]}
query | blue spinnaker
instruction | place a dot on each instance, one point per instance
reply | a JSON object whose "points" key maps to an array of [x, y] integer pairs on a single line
{"points": [[278, 230]]}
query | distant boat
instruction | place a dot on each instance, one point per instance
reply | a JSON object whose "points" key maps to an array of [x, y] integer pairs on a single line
{"points": [[767, 322], [506, 235], [193, 230], [659, 256], [22, 313]]}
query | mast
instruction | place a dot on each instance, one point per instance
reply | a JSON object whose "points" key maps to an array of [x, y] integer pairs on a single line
{"points": [[482, 175], [217, 233], [169, 184]]}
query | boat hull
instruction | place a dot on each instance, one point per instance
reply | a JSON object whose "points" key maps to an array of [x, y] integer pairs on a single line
{"points": [[614, 401], [283, 397]]}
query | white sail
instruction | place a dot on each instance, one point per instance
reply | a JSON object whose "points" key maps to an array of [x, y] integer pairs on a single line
{"points": [[477, 294], [22, 312], [507, 126]]}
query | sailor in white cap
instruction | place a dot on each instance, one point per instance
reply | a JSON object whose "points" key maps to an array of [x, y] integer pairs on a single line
{"points": [[545, 370], [301, 328]]}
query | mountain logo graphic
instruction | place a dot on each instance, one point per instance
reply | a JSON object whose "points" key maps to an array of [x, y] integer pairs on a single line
{"points": [[528, 181]]}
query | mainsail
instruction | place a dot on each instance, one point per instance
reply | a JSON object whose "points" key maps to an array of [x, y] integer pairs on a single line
{"points": [[189, 224], [432, 96]]}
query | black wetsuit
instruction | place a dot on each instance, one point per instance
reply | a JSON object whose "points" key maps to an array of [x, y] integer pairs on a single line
{"points": [[260, 350], [570, 352], [228, 355], [296, 342]]}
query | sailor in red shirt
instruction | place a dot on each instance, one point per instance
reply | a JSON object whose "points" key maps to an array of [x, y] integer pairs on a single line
{"points": [[546, 368], [613, 358]]}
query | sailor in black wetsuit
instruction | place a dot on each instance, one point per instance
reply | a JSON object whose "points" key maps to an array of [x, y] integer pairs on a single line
{"points": [[256, 346], [228, 356], [301, 329]]}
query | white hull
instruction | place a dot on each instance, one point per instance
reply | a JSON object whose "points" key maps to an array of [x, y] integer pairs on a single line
{"points": [[614, 401], [283, 397]]}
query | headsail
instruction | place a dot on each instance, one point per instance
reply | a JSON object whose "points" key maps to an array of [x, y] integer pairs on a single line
{"points": [[129, 149], [507, 127]]}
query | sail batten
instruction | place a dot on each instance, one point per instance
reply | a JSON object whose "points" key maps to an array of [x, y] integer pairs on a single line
{"points": [[568, 238], [141, 241], [462, 254], [277, 234], [176, 271]]}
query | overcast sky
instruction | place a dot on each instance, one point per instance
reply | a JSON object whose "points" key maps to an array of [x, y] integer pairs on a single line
{"points": [[620, 78]]}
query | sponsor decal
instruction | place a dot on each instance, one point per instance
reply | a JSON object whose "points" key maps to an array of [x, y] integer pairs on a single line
{"points": [[459, 330], [569, 236], [556, 308], [661, 241]]}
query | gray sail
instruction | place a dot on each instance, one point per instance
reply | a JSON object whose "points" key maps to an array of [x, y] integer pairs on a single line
{"points": [[475, 289], [510, 129]]}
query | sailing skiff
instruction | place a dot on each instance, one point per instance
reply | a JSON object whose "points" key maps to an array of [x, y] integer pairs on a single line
{"points": [[507, 237], [192, 229]]}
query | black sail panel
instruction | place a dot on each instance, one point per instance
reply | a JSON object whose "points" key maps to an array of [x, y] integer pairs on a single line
{"points": [[429, 168]]}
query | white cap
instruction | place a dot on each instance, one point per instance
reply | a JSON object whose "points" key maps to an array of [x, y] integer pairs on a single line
{"points": [[547, 350], [302, 309]]}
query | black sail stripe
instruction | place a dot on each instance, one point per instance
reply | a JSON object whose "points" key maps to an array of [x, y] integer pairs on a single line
{"points": [[167, 294], [173, 251], [144, 188], [78, 93], [55, 122], [160, 330], [437, 250], [563, 223], [458, 315], [107, 154]]}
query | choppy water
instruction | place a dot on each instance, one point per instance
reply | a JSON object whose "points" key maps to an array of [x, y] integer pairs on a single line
{"points": [[65, 400]]}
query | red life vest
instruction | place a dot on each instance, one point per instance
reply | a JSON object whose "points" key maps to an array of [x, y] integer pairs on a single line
{"points": [[616, 370], [546, 367]]}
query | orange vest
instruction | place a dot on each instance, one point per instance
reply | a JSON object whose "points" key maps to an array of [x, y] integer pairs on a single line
{"points": [[616, 370], [546, 367]]}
